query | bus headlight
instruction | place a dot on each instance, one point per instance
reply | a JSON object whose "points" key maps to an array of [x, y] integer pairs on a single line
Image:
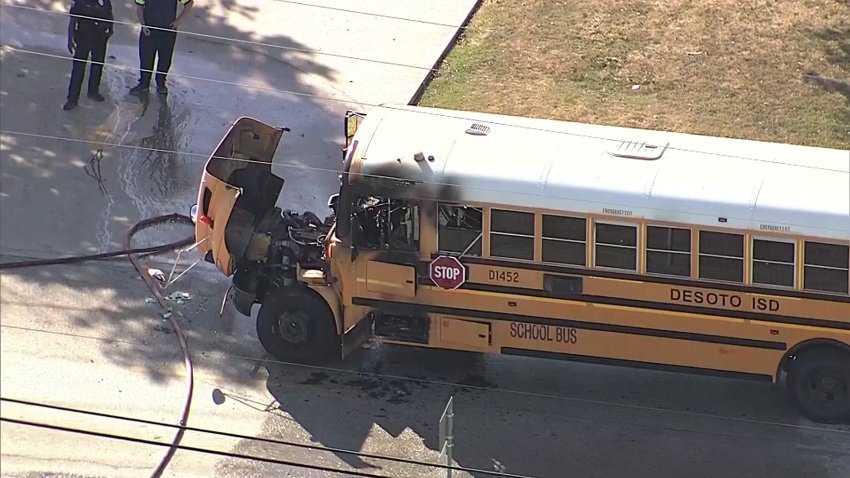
{"points": [[193, 213]]}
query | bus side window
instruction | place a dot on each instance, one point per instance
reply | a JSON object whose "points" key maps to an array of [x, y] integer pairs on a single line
{"points": [[459, 229], [381, 223], [368, 221], [616, 246], [826, 267], [512, 234], [721, 256], [773, 262], [668, 251], [564, 240], [403, 225]]}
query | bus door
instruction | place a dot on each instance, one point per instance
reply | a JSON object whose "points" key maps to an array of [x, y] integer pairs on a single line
{"points": [[385, 247]]}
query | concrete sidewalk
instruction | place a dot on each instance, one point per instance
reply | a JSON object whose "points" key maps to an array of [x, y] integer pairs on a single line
{"points": [[308, 92], [84, 336]]}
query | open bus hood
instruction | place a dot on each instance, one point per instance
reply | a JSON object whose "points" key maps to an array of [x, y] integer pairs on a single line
{"points": [[237, 187]]}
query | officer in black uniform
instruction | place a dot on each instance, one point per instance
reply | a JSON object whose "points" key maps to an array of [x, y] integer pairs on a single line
{"points": [[88, 31], [157, 43]]}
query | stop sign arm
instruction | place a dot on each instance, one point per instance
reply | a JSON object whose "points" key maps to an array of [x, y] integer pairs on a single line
{"points": [[447, 272]]}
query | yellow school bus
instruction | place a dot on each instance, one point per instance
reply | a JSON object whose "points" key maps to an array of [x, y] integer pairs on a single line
{"points": [[541, 238]]}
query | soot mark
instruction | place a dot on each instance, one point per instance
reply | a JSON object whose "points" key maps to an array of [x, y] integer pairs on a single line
{"points": [[316, 378]]}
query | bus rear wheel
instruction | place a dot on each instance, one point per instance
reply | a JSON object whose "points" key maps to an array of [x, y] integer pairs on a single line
{"points": [[819, 385], [295, 325]]}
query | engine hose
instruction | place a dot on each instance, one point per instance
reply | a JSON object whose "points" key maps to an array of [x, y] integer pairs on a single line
{"points": [[154, 288]]}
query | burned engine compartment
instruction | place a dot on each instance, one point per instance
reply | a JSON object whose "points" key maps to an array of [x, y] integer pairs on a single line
{"points": [[267, 244], [271, 249]]}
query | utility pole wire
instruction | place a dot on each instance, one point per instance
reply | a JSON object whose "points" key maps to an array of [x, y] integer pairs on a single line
{"points": [[343, 451]]}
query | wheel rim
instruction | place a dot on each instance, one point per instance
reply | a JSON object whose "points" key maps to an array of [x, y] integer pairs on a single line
{"points": [[827, 388], [293, 327]]}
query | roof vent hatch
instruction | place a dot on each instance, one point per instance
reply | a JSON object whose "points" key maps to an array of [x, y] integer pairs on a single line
{"points": [[478, 130], [639, 150]]}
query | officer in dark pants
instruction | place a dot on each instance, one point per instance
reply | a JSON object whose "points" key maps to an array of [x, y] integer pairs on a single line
{"points": [[88, 31], [157, 43]]}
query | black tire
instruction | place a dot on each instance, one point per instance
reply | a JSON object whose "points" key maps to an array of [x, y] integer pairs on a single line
{"points": [[819, 385], [296, 325]]}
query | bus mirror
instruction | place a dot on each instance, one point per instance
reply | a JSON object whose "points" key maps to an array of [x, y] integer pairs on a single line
{"points": [[333, 200]]}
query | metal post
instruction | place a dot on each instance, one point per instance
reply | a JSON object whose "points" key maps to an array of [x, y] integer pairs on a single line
{"points": [[446, 441], [450, 422]]}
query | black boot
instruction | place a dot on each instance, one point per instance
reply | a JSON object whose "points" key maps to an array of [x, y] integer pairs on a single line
{"points": [[139, 89]]}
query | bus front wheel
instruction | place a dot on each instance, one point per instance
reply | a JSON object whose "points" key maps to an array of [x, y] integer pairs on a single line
{"points": [[819, 385], [295, 325]]}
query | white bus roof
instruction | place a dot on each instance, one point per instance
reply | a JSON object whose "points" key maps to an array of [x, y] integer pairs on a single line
{"points": [[593, 169]]}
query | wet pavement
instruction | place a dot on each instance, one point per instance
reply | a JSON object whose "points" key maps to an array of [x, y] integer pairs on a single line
{"points": [[109, 350], [87, 336], [75, 182], [213, 81]]}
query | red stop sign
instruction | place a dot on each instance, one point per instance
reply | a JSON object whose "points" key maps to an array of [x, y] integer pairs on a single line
{"points": [[447, 272]]}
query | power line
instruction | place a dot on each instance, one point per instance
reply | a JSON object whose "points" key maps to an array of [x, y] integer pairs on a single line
{"points": [[433, 113], [376, 176], [237, 40], [306, 4], [359, 59], [260, 439], [211, 80], [188, 448], [230, 39], [522, 393]]}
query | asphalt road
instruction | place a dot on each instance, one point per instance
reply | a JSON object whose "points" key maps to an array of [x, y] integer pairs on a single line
{"points": [[86, 336], [524, 416]]}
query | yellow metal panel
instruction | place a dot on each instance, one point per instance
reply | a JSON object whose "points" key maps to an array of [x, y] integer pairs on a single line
{"points": [[748, 258], [221, 206], [505, 276], [799, 265], [332, 299], [641, 247], [395, 279], [640, 317], [464, 332], [771, 302], [485, 232], [538, 237], [640, 348]]}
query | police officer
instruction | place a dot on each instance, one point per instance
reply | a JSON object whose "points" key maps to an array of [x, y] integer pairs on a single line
{"points": [[157, 43], [88, 31]]}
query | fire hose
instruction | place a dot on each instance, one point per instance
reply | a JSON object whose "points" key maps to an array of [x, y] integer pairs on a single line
{"points": [[154, 288]]}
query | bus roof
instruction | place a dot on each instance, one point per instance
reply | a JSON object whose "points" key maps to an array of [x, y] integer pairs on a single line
{"points": [[528, 163]]}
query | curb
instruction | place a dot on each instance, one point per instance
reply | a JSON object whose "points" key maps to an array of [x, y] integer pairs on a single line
{"points": [[417, 96]]}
